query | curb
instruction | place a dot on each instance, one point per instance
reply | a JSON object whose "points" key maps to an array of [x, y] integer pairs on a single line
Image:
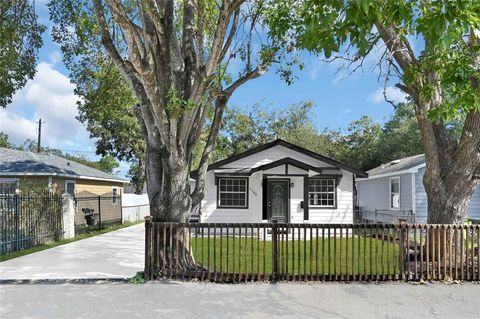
{"points": [[79, 281]]}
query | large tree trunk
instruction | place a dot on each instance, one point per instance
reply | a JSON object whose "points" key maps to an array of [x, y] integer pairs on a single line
{"points": [[451, 167], [168, 186], [177, 81], [447, 205]]}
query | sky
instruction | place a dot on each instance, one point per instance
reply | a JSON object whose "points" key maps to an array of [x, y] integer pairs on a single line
{"points": [[49, 95]]}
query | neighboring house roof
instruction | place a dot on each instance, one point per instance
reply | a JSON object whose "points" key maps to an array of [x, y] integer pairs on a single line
{"points": [[287, 145], [21, 163], [399, 166]]}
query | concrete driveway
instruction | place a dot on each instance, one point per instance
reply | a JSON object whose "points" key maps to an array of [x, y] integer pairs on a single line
{"points": [[118, 254], [168, 299]]}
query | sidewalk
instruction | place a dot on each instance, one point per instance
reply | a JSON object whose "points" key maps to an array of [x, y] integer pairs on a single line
{"points": [[169, 299]]}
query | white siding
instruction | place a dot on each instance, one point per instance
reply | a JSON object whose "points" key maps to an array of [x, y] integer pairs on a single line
{"points": [[374, 193], [212, 214], [273, 154], [342, 214], [421, 204]]}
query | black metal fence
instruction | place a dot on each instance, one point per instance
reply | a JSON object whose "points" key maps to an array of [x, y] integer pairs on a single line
{"points": [[95, 212], [28, 220]]}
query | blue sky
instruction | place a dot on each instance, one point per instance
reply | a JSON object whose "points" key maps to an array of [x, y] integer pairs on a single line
{"points": [[50, 96]]}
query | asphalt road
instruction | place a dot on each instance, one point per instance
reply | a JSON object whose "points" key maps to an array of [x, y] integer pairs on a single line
{"points": [[204, 300]]}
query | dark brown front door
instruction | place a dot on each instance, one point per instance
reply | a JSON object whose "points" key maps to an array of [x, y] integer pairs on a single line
{"points": [[277, 200]]}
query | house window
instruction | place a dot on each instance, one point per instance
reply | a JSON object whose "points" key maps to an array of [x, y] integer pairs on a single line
{"points": [[70, 187], [114, 195], [8, 186], [232, 192], [322, 192], [395, 193]]}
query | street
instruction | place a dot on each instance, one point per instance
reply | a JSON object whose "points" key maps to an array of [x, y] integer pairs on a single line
{"points": [[257, 300]]}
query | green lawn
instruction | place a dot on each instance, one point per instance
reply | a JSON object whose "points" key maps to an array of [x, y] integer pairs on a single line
{"points": [[299, 257], [64, 241]]}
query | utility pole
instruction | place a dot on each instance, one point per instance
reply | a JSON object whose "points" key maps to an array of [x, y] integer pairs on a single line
{"points": [[39, 135]]}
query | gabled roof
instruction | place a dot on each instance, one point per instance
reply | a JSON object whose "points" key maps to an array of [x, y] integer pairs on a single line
{"points": [[21, 163], [283, 161], [286, 145], [402, 165]]}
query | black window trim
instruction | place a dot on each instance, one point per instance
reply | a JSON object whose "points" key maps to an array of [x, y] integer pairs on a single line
{"points": [[336, 180], [247, 191]]}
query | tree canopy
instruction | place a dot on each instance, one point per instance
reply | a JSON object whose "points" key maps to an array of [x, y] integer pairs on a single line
{"points": [[20, 40], [363, 144], [431, 50]]}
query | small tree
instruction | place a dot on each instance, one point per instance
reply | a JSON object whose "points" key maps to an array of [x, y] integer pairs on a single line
{"points": [[442, 78]]}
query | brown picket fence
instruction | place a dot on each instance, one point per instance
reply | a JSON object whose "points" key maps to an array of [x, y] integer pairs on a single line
{"points": [[311, 252]]}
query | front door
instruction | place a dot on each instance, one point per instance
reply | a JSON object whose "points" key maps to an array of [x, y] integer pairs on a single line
{"points": [[277, 200]]}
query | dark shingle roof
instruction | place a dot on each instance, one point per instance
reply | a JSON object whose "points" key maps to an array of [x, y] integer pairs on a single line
{"points": [[398, 165], [15, 162]]}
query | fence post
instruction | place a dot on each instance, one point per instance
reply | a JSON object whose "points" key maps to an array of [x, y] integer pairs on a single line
{"points": [[68, 216], [99, 213], [403, 249], [16, 221], [275, 249], [148, 248], [376, 215]]}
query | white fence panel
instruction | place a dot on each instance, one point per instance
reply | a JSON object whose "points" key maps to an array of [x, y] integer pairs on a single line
{"points": [[134, 207]]}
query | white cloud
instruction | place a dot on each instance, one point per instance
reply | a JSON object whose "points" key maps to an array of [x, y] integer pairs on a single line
{"points": [[48, 96], [393, 94]]}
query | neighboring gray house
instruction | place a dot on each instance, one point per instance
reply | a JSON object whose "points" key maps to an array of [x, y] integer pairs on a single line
{"points": [[396, 189]]}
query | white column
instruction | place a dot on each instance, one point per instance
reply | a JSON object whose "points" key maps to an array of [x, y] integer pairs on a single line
{"points": [[68, 209]]}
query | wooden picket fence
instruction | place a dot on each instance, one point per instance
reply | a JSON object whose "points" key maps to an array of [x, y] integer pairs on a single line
{"points": [[305, 252]]}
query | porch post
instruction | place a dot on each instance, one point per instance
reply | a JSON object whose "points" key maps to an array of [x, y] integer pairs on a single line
{"points": [[305, 198], [264, 198]]}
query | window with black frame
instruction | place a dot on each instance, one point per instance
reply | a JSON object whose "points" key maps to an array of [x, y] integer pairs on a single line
{"points": [[232, 192], [322, 192]]}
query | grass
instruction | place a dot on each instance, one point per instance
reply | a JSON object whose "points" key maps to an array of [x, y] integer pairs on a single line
{"points": [[64, 241], [301, 258]]}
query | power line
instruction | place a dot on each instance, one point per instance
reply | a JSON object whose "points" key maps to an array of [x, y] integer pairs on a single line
{"points": [[77, 151]]}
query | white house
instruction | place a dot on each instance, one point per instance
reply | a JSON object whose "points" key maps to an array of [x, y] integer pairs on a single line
{"points": [[397, 187], [279, 181]]}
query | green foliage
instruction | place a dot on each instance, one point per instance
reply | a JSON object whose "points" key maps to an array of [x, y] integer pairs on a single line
{"points": [[20, 40], [139, 278], [450, 30], [108, 164], [4, 141], [136, 173], [107, 100], [363, 145], [243, 130]]}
